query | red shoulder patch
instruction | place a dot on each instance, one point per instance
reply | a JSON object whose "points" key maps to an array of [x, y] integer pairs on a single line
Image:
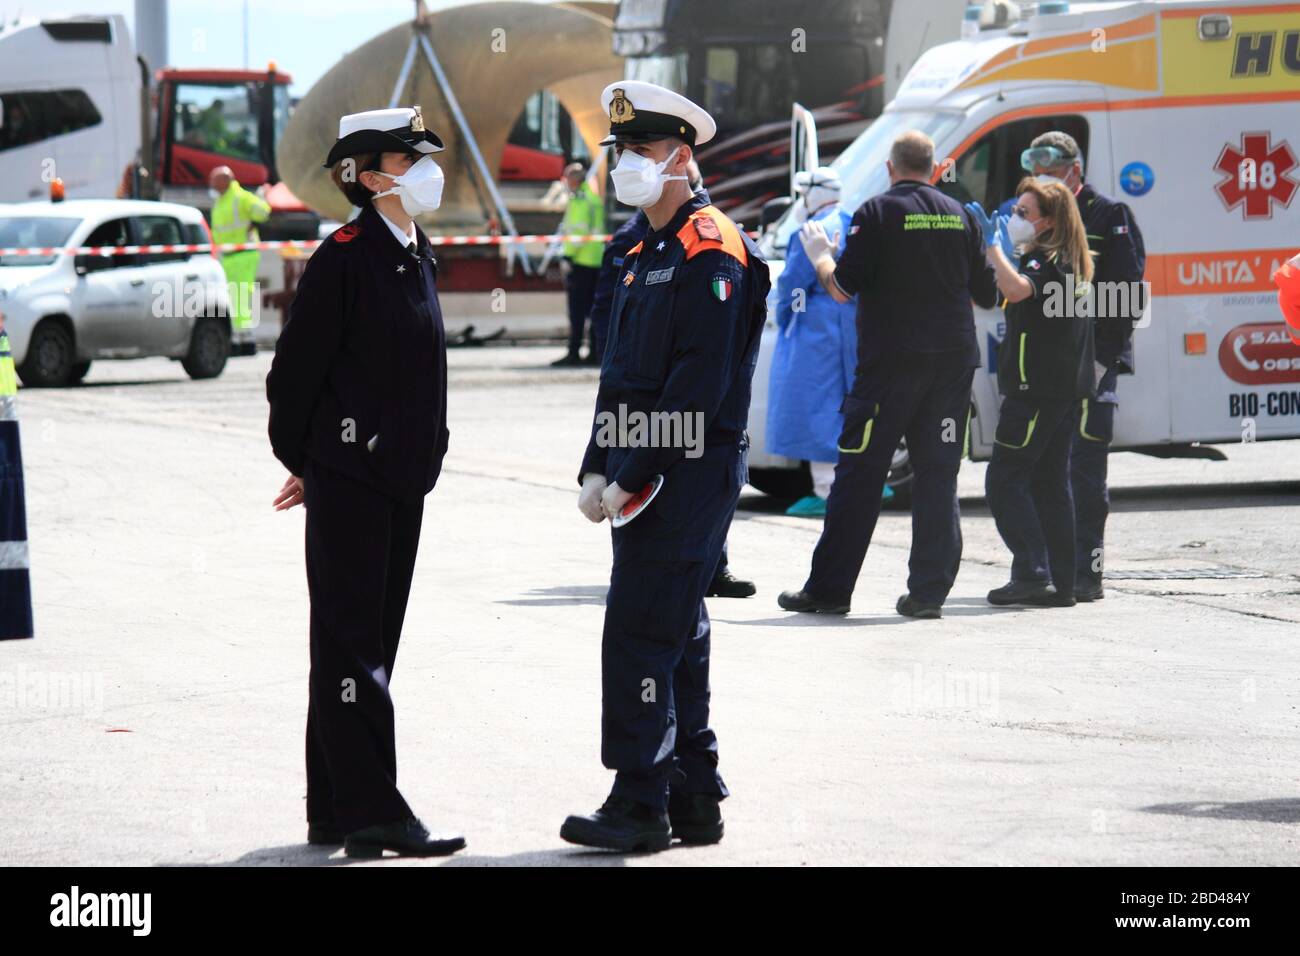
{"points": [[706, 228], [347, 233]]}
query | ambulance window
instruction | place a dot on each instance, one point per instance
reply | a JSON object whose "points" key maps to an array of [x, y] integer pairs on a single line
{"points": [[990, 170]]}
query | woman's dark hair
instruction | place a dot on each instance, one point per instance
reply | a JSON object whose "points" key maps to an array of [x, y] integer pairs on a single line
{"points": [[346, 175]]}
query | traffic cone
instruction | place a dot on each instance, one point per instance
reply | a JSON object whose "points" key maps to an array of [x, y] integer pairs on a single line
{"points": [[15, 580]]}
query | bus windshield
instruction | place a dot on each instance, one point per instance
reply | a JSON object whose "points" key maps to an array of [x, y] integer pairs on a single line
{"points": [[34, 231], [862, 165]]}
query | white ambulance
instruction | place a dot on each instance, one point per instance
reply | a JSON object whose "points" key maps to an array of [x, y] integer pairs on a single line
{"points": [[1186, 110]]}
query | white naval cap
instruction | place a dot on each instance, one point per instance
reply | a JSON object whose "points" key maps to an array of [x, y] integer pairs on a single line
{"points": [[383, 131], [640, 112]]}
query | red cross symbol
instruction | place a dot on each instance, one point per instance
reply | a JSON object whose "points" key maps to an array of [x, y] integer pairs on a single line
{"points": [[1256, 175]]}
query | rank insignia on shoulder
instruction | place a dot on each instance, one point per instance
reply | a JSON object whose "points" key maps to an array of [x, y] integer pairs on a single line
{"points": [[347, 233], [706, 228], [627, 279], [721, 287]]}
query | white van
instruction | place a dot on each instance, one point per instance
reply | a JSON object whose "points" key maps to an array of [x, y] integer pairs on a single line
{"points": [[1186, 110]]}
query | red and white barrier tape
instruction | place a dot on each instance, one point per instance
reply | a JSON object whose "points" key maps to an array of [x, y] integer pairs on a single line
{"points": [[303, 244]]}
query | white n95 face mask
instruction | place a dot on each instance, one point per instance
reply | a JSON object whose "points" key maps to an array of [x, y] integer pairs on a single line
{"points": [[1021, 230], [639, 180], [420, 187]]}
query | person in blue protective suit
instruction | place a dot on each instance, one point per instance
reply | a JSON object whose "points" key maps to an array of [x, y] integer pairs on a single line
{"points": [[682, 347], [816, 351]]}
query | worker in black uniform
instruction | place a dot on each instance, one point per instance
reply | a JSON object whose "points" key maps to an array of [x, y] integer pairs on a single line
{"points": [[915, 259], [358, 394], [684, 336], [724, 583], [1045, 367], [1119, 256]]}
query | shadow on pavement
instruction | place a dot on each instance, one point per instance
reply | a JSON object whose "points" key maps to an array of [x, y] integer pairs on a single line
{"points": [[1283, 810], [303, 854], [565, 596]]}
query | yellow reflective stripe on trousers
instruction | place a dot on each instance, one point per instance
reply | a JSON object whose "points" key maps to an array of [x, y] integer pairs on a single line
{"points": [[1023, 337], [1083, 424], [1029, 433], [866, 440]]}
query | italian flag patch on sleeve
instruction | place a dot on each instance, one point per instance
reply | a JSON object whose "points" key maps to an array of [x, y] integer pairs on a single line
{"points": [[721, 287]]}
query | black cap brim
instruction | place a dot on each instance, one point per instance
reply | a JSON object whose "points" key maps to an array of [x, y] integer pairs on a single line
{"points": [[382, 141]]}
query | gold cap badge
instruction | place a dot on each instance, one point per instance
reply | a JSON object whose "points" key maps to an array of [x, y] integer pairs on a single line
{"points": [[620, 108], [417, 122]]}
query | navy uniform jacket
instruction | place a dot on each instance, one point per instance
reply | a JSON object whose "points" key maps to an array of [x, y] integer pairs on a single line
{"points": [[684, 338], [1120, 257], [359, 379], [611, 265], [915, 259]]}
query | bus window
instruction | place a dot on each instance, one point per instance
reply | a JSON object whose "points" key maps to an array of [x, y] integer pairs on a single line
{"points": [[31, 116], [666, 71], [989, 171]]}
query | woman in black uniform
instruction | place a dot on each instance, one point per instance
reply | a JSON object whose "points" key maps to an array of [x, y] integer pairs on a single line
{"points": [[358, 394], [1045, 365]]}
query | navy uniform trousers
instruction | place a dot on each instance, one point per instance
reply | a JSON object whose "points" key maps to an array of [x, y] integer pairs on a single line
{"points": [[361, 547], [1027, 487], [924, 398], [1088, 461], [655, 646]]}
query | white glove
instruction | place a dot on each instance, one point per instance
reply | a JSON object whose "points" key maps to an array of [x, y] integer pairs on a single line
{"points": [[816, 243], [589, 499]]}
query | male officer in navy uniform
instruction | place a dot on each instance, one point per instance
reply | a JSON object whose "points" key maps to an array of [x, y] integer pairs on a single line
{"points": [[683, 341], [1119, 257], [358, 395], [915, 259], [724, 583]]}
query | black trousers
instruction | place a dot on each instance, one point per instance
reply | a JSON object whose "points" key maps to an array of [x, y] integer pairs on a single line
{"points": [[1027, 486], [925, 399], [361, 547], [580, 287], [1088, 465]]}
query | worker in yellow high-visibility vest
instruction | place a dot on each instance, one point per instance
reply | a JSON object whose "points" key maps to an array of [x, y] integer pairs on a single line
{"points": [[15, 580], [235, 212], [583, 216]]}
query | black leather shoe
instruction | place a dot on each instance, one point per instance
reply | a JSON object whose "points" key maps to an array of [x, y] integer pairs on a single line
{"points": [[569, 361], [1085, 592], [1055, 599], [727, 585], [406, 838], [1022, 592], [324, 834], [909, 606], [621, 824], [799, 601], [695, 817]]}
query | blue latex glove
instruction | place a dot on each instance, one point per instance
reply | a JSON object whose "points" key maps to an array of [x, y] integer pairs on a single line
{"points": [[1004, 239], [987, 224]]}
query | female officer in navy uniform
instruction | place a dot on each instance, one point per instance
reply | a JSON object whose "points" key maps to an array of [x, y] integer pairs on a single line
{"points": [[684, 332], [358, 394]]}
